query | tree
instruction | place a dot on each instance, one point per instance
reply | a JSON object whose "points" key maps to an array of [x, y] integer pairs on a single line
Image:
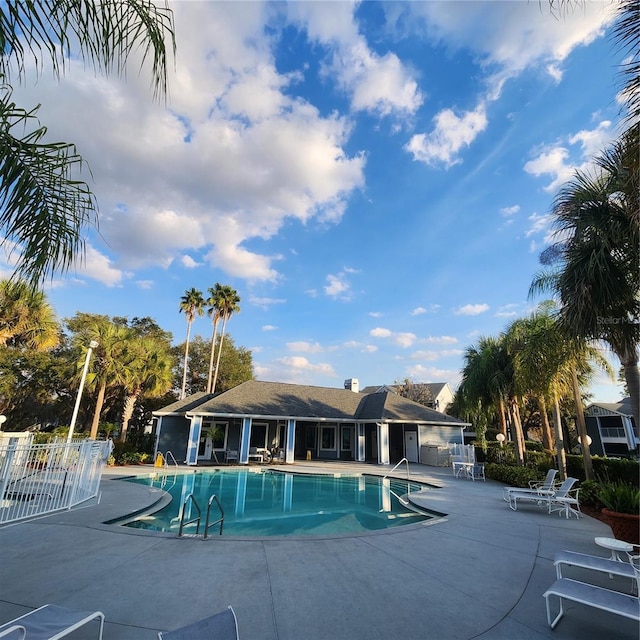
{"points": [[546, 362], [148, 370], [215, 302], [414, 391], [228, 306], [488, 381], [192, 303], [595, 261], [44, 208], [106, 371], [26, 318]]}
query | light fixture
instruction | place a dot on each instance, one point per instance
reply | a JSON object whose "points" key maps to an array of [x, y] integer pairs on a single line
{"points": [[92, 345], [3, 419], [500, 438]]}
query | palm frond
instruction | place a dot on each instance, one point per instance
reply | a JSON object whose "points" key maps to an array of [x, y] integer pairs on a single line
{"points": [[44, 208], [104, 34]]}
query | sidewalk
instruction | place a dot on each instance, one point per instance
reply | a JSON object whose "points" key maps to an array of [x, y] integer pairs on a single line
{"points": [[479, 573]]}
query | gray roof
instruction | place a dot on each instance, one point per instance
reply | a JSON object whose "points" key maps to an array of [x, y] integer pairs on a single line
{"points": [[184, 405], [277, 399], [434, 387], [623, 406]]}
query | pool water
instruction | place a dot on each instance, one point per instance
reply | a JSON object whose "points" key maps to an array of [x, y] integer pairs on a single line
{"points": [[275, 503]]}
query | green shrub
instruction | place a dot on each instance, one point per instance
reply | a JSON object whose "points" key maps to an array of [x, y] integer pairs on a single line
{"points": [[589, 494], [619, 497], [514, 476]]}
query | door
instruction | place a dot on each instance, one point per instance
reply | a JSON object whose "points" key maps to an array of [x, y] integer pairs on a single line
{"points": [[411, 446]]}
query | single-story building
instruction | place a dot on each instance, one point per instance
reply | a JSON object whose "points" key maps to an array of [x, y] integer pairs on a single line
{"points": [[298, 422], [612, 429]]}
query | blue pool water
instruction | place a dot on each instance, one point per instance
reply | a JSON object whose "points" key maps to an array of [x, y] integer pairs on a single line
{"points": [[274, 503]]}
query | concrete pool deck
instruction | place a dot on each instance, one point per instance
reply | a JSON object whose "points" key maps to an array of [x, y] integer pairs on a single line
{"points": [[478, 573]]}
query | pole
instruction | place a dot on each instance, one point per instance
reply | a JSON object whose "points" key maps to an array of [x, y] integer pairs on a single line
{"points": [[92, 345]]}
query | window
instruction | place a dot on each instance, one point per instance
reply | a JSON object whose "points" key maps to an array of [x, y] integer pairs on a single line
{"points": [[328, 438]]}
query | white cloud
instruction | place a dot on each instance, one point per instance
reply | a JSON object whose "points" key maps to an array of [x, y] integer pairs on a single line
{"points": [[265, 303], [418, 311], [269, 327], [338, 286], [451, 133], [400, 339], [556, 160], [218, 168], [510, 211], [189, 262], [145, 284], [375, 83], [305, 347], [379, 332], [440, 340], [471, 309]]}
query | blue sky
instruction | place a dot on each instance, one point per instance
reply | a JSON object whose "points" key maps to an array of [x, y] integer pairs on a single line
{"points": [[374, 179]]}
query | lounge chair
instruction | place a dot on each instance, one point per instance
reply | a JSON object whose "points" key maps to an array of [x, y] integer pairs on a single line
{"points": [[594, 563], [221, 626], [543, 496], [538, 486], [49, 622], [231, 455], [565, 500], [477, 471], [615, 602]]}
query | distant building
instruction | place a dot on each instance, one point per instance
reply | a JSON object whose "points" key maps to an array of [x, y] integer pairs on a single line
{"points": [[612, 428], [440, 392], [299, 422]]}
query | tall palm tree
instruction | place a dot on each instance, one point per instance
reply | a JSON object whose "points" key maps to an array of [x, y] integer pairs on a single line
{"points": [[595, 261], [26, 318], [228, 306], [192, 303], [148, 370], [488, 378], [44, 208], [215, 302], [546, 362], [107, 372]]}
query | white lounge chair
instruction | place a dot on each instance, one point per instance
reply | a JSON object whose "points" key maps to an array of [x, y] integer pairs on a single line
{"points": [[548, 484], [221, 626], [542, 497], [594, 563], [565, 500], [50, 622]]}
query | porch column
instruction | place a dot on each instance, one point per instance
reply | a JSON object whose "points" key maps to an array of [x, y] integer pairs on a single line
{"points": [[245, 439], [291, 442], [383, 442], [360, 443], [158, 429], [194, 440]]}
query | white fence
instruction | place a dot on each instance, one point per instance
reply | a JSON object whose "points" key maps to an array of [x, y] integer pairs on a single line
{"points": [[42, 478], [462, 453]]}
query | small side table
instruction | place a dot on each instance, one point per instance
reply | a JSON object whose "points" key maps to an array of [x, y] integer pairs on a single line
{"points": [[615, 546]]}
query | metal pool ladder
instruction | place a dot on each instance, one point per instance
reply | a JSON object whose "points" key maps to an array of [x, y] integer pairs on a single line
{"points": [[207, 524], [394, 468]]}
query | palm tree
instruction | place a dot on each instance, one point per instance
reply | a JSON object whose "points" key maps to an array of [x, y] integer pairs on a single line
{"points": [[148, 370], [107, 372], [488, 379], [215, 302], [595, 260], [26, 318], [192, 303], [44, 208], [228, 306], [545, 362]]}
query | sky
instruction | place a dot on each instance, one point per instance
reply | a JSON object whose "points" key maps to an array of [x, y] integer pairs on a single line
{"points": [[374, 179]]}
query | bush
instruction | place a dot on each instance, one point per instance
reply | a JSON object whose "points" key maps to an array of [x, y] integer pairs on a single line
{"points": [[619, 497], [514, 476], [589, 494]]}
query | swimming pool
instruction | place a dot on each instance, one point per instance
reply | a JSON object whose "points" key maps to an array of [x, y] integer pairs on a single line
{"points": [[275, 503]]}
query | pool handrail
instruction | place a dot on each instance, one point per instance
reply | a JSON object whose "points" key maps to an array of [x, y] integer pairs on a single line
{"points": [[166, 459], [394, 468], [184, 509], [220, 520]]}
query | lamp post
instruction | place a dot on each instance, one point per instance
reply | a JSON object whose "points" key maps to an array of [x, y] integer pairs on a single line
{"points": [[500, 438], [92, 345]]}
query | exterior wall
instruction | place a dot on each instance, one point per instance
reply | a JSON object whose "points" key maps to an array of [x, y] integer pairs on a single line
{"points": [[173, 436], [439, 435], [443, 399]]}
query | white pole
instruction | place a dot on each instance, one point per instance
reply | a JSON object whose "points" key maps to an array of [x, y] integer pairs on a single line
{"points": [[92, 345]]}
